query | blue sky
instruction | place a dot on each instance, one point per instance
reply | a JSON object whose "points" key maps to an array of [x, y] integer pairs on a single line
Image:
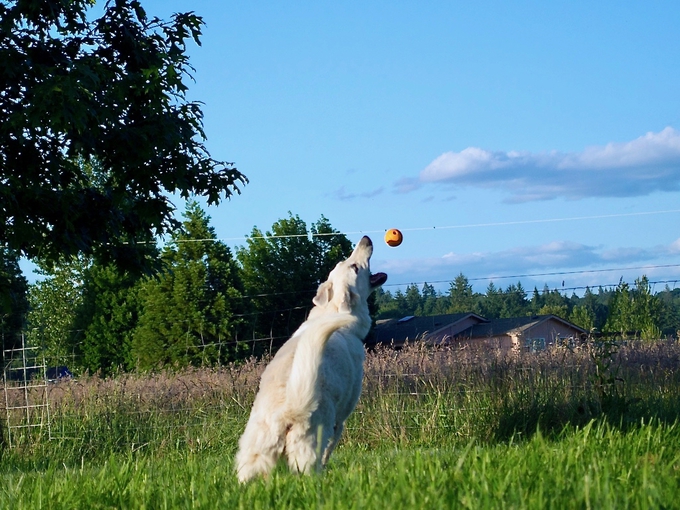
{"points": [[415, 115], [487, 117]]}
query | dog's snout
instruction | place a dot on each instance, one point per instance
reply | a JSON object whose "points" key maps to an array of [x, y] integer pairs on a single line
{"points": [[363, 249]]}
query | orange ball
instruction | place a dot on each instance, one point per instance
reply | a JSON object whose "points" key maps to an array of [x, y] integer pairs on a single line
{"points": [[393, 237]]}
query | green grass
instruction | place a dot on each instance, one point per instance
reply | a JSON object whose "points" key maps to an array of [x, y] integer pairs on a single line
{"points": [[598, 466], [434, 429]]}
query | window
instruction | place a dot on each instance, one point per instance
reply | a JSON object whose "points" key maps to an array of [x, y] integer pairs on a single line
{"points": [[534, 344]]}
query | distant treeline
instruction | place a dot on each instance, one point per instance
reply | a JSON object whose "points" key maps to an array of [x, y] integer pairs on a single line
{"points": [[624, 309], [203, 304]]}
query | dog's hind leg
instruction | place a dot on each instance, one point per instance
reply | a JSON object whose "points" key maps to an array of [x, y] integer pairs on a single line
{"points": [[305, 447], [301, 449], [260, 447]]}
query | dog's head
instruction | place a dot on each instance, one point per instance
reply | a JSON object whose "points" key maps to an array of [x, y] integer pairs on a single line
{"points": [[351, 281]]}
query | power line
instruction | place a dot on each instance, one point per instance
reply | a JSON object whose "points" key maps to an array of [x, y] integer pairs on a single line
{"points": [[444, 227], [487, 278], [483, 278], [555, 273]]}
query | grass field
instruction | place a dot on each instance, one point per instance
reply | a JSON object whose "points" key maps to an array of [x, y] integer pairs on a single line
{"points": [[592, 428]]}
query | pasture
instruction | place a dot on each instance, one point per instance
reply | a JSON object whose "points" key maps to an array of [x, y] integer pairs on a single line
{"points": [[594, 427]]}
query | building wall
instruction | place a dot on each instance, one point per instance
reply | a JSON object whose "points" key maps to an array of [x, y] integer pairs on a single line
{"points": [[533, 338], [500, 342], [551, 330]]}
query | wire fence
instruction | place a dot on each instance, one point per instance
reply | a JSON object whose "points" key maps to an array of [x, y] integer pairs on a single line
{"points": [[25, 391], [420, 389]]}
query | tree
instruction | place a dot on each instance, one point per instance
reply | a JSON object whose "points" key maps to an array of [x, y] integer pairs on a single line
{"points": [[53, 303], [106, 318], [192, 311], [330, 247], [634, 311], [383, 301], [111, 92], [429, 302], [670, 316], [461, 297], [549, 302], [491, 305], [413, 298], [514, 301], [582, 316], [282, 269], [400, 305], [13, 299]]}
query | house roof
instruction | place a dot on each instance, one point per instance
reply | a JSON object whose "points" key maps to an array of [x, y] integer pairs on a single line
{"points": [[497, 327], [414, 328]]}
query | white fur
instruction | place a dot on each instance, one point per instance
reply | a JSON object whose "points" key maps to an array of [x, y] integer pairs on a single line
{"points": [[314, 381]]}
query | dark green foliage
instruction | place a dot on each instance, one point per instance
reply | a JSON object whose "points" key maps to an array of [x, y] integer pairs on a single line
{"points": [[514, 301], [282, 269], [670, 312], [496, 303], [461, 296], [13, 299], [429, 302], [106, 318], [413, 302], [192, 311], [77, 91], [621, 311], [491, 306], [330, 247], [392, 306], [590, 311], [83, 314], [634, 312], [550, 302], [412, 297]]}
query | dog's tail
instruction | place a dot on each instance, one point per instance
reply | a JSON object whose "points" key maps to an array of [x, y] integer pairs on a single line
{"points": [[301, 390]]}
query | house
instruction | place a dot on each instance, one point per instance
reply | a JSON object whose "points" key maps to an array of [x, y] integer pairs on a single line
{"points": [[531, 333], [474, 331], [432, 329]]}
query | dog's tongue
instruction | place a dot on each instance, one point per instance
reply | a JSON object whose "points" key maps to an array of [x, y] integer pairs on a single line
{"points": [[378, 279]]}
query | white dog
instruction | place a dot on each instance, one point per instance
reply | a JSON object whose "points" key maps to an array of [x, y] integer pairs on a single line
{"points": [[314, 381]]}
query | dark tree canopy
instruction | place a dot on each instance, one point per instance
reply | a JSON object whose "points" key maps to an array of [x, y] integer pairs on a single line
{"points": [[108, 93], [13, 299]]}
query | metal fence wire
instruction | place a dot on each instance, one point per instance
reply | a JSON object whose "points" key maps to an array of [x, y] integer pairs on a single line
{"points": [[26, 392], [408, 389]]}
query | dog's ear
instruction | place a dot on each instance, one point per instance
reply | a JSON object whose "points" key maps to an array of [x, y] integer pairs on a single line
{"points": [[324, 294]]}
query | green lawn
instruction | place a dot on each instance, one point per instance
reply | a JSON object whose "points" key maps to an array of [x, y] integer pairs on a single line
{"points": [[434, 429], [597, 466]]}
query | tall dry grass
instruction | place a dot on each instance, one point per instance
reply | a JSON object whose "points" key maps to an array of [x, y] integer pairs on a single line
{"points": [[416, 396], [428, 396]]}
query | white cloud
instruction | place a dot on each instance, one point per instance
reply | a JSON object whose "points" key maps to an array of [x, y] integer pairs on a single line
{"points": [[639, 167], [674, 248]]}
